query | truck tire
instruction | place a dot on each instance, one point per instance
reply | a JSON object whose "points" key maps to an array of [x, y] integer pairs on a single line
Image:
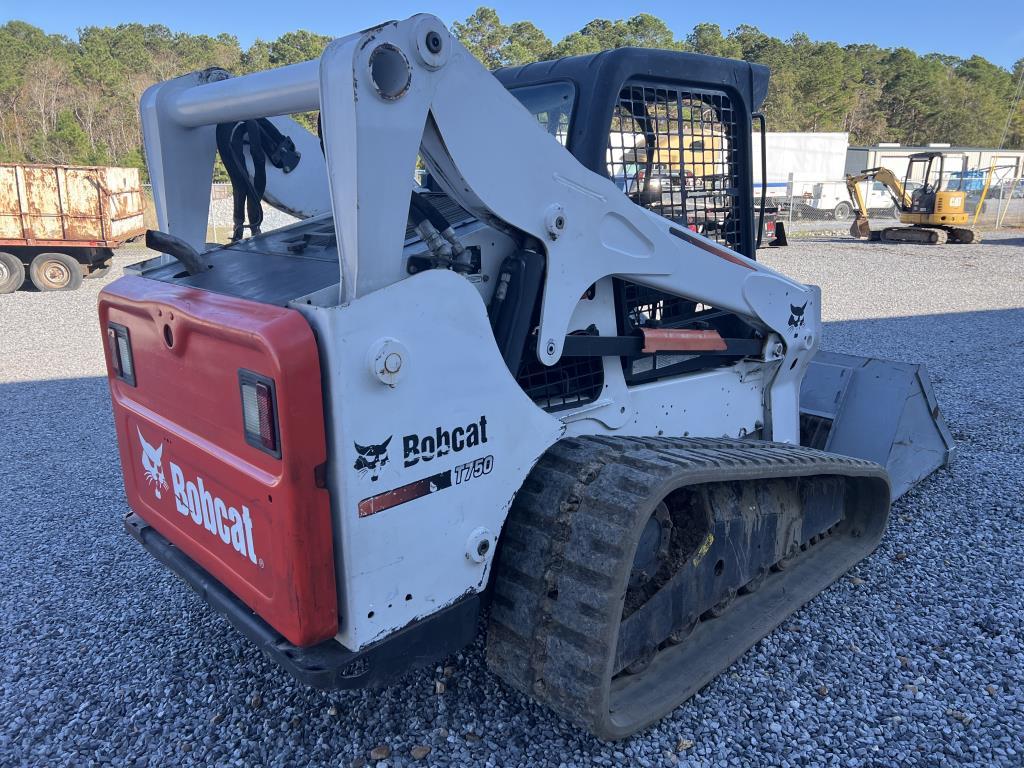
{"points": [[12, 272], [55, 272], [842, 211]]}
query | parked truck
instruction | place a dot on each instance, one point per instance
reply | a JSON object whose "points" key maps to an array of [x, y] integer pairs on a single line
{"points": [[60, 223]]}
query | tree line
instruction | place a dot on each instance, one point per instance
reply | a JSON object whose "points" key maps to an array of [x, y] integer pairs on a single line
{"points": [[76, 101]]}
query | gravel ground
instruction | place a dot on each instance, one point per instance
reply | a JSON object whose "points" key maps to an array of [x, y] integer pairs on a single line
{"points": [[915, 658]]}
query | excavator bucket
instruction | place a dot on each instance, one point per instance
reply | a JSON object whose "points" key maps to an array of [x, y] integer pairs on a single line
{"points": [[860, 226], [875, 409]]}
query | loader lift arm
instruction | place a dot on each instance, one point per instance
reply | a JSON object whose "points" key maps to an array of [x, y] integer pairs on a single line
{"points": [[384, 98]]}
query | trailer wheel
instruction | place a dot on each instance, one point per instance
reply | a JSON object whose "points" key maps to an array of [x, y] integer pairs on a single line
{"points": [[12, 272], [55, 272]]}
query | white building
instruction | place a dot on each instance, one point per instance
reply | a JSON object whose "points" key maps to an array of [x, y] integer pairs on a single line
{"points": [[1008, 163]]}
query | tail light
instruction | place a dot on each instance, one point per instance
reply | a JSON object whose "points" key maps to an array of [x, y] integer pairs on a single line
{"points": [[120, 344], [259, 412]]}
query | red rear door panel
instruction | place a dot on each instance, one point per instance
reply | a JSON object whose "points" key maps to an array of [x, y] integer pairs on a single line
{"points": [[259, 524]]}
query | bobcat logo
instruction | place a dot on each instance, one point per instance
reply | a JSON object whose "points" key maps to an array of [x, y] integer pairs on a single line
{"points": [[371, 459], [152, 464], [796, 317]]}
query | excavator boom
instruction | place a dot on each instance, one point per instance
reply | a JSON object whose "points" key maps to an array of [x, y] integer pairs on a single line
{"points": [[861, 227]]}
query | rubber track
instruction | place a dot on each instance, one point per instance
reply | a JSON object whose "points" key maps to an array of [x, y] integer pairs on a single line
{"points": [[914, 235], [963, 235], [566, 551]]}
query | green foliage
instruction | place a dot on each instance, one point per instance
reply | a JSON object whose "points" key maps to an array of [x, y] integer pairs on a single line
{"points": [[873, 93], [642, 30], [501, 45], [76, 101], [68, 141]]}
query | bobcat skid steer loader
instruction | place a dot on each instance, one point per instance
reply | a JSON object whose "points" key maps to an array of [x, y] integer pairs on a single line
{"points": [[546, 384]]}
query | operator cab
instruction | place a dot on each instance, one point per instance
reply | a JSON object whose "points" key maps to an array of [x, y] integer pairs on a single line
{"points": [[639, 118], [929, 173], [673, 131]]}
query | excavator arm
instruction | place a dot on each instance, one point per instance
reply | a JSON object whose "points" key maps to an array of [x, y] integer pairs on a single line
{"points": [[860, 226]]}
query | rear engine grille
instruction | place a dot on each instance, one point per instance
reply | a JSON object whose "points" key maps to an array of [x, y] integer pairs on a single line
{"points": [[569, 383]]}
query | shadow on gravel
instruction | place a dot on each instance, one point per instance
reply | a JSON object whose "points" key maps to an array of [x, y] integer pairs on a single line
{"points": [[57, 425], [1005, 241], [108, 656], [944, 337]]}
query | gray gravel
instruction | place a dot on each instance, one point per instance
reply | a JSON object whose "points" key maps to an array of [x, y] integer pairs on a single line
{"points": [[915, 658]]}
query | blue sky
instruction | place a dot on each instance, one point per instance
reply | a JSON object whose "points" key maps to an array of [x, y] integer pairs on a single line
{"points": [[991, 28]]}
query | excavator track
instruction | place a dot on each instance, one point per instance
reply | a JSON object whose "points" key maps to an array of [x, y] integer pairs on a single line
{"points": [[963, 235], [632, 571], [926, 235]]}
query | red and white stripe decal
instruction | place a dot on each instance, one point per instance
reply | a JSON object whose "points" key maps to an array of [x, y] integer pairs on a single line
{"points": [[405, 493]]}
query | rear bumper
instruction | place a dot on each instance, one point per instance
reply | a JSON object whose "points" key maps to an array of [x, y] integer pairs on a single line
{"points": [[328, 665]]}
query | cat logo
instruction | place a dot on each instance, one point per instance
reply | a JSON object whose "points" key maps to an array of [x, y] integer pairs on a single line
{"points": [[371, 459], [152, 465], [796, 317]]}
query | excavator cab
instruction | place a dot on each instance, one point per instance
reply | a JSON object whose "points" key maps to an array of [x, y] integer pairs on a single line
{"points": [[931, 175]]}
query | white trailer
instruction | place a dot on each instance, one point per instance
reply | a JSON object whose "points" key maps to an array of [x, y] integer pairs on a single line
{"points": [[804, 170]]}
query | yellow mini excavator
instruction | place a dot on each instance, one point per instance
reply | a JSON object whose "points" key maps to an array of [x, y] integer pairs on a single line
{"points": [[934, 209]]}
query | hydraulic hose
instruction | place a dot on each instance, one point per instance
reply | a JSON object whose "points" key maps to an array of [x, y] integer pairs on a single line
{"points": [[424, 208], [266, 143], [439, 248]]}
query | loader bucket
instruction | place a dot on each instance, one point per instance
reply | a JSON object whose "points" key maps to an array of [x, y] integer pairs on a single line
{"points": [[860, 227], [875, 409]]}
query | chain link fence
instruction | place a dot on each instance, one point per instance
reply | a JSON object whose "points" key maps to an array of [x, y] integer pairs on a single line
{"points": [[825, 207]]}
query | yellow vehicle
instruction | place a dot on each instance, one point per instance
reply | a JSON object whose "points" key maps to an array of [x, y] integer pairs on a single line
{"points": [[705, 154], [934, 209]]}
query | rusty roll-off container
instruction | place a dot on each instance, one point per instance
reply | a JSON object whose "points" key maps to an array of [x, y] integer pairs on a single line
{"points": [[61, 222], [55, 205]]}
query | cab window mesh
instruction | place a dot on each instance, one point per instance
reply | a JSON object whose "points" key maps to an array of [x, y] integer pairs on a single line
{"points": [[673, 150]]}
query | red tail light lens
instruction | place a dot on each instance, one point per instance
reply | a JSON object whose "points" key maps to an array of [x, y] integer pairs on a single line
{"points": [[120, 345], [259, 412]]}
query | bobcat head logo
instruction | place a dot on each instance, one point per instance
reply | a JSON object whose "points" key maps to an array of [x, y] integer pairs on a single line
{"points": [[372, 458], [796, 316], [152, 464]]}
